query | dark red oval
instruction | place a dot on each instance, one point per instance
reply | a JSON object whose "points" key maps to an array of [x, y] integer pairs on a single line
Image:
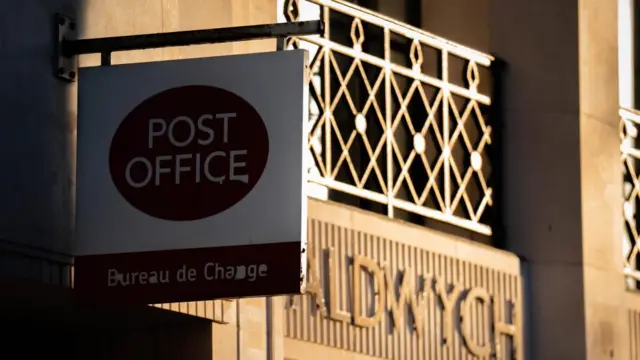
{"points": [[155, 134]]}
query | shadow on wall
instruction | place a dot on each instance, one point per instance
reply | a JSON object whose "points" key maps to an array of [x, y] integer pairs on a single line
{"points": [[37, 186], [38, 127], [59, 327], [184, 341], [121, 336]]}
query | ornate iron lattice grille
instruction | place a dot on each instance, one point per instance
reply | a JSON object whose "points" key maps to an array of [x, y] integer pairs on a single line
{"points": [[386, 133], [630, 154]]}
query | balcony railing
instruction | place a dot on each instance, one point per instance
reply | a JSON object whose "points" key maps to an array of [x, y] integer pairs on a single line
{"points": [[630, 156], [388, 130]]}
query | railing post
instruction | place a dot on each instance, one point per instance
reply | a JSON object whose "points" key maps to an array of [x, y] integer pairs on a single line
{"points": [[446, 131], [496, 155], [326, 82], [389, 123]]}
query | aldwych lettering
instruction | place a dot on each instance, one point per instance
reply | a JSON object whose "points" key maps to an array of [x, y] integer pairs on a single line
{"points": [[395, 299]]}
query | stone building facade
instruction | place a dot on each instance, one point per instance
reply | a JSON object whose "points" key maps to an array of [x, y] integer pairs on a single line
{"points": [[466, 187]]}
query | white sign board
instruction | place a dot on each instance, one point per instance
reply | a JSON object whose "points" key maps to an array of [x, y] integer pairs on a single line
{"points": [[191, 178]]}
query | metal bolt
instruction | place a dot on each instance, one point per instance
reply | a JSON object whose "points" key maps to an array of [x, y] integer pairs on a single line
{"points": [[72, 74], [61, 21]]}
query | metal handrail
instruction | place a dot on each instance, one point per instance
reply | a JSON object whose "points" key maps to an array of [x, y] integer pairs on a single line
{"points": [[406, 29]]}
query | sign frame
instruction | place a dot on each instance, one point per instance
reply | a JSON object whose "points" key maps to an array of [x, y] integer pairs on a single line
{"points": [[138, 77]]}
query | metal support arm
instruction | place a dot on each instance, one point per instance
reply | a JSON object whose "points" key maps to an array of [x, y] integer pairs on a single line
{"points": [[184, 38], [68, 47]]}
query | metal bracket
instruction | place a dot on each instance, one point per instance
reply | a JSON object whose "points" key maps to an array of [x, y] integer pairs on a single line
{"points": [[67, 66], [69, 47]]}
